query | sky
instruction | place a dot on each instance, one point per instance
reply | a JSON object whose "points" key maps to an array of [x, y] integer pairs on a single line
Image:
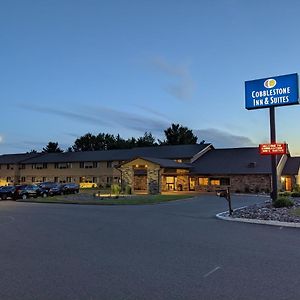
{"points": [[69, 67]]}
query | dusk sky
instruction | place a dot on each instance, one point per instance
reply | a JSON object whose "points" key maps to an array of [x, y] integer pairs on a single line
{"points": [[69, 67]]}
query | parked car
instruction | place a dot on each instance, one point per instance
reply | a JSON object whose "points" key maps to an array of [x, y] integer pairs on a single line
{"points": [[47, 185], [8, 192], [70, 188], [56, 189], [27, 191]]}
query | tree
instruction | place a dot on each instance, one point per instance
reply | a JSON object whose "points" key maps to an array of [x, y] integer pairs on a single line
{"points": [[179, 135], [52, 147], [86, 142], [146, 140], [32, 151]]}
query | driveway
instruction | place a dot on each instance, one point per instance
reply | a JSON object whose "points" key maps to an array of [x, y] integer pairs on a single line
{"points": [[174, 250]]}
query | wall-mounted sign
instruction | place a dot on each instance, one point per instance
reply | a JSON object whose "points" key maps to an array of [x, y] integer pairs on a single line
{"points": [[272, 91], [274, 148]]}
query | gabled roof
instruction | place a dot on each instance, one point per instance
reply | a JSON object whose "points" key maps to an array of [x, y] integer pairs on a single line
{"points": [[164, 163], [291, 166], [17, 158], [168, 151], [232, 161]]}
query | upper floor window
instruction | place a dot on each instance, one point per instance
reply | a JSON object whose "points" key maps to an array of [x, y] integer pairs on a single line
{"points": [[62, 165], [88, 164]]}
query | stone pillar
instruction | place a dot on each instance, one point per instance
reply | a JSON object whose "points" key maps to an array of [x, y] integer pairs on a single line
{"points": [[127, 176], [153, 181]]}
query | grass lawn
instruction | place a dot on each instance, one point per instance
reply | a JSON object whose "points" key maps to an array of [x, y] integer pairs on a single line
{"points": [[130, 200]]}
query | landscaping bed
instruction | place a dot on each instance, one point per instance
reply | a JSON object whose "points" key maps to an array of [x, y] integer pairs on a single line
{"points": [[107, 199], [267, 211]]}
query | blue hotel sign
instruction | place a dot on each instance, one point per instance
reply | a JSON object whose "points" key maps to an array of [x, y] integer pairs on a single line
{"points": [[272, 91]]}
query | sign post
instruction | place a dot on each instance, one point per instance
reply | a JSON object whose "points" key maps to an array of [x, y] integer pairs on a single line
{"points": [[273, 157], [269, 93]]}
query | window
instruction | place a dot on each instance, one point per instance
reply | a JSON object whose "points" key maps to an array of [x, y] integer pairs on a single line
{"points": [[44, 179], [69, 179], [203, 181], [109, 164], [22, 167], [23, 179], [95, 164], [8, 166], [214, 181], [45, 166], [55, 179], [81, 165], [8, 179], [95, 180], [109, 180], [56, 166], [170, 179], [32, 179]]}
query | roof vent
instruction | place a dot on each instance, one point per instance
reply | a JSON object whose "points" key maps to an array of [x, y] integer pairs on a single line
{"points": [[252, 165]]}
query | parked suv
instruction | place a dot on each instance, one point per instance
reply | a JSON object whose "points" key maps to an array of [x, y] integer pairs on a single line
{"points": [[70, 188], [8, 192], [56, 189], [27, 191]]}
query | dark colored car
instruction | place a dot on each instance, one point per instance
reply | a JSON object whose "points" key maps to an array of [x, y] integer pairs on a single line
{"points": [[56, 189], [70, 188], [8, 192], [47, 185], [27, 191]]}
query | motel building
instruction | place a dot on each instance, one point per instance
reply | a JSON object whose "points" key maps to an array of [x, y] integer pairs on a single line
{"points": [[154, 170]]}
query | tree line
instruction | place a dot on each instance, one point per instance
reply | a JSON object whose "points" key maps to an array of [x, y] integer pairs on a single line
{"points": [[176, 134]]}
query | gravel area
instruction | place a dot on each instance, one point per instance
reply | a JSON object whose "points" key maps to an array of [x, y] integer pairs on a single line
{"points": [[267, 212]]}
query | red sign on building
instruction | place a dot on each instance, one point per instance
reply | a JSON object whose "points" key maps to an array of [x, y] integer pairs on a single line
{"points": [[273, 149]]}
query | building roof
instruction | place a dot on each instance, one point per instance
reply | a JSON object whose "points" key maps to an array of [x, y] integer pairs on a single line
{"points": [[167, 151], [291, 166], [232, 161], [17, 158], [166, 163]]}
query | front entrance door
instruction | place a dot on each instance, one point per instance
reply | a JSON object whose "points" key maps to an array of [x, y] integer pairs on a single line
{"points": [[288, 183], [171, 183], [140, 183]]}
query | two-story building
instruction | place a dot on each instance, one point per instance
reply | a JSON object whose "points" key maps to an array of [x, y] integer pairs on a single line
{"points": [[153, 170]]}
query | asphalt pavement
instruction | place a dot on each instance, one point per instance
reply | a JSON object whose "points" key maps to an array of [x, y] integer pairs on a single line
{"points": [[174, 250]]}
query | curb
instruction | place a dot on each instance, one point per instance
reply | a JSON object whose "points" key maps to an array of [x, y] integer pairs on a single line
{"points": [[224, 216]]}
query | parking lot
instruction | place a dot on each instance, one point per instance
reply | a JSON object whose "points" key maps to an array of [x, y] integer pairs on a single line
{"points": [[174, 250]]}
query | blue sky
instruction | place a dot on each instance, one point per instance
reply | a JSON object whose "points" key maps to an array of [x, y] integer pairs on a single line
{"points": [[72, 67]]}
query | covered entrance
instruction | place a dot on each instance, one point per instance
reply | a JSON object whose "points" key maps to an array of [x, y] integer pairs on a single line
{"points": [[140, 180]]}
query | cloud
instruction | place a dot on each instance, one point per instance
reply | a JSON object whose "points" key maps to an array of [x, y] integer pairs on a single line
{"points": [[105, 117], [184, 86], [1, 139], [223, 139]]}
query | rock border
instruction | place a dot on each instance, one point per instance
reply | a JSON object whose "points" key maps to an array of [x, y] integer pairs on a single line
{"points": [[225, 216]]}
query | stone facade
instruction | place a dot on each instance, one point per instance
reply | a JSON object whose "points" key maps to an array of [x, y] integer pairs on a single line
{"points": [[239, 184], [153, 176]]}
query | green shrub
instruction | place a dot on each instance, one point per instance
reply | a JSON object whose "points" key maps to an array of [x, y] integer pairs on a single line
{"points": [[283, 202], [295, 194], [115, 189], [127, 189], [284, 194], [296, 189]]}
